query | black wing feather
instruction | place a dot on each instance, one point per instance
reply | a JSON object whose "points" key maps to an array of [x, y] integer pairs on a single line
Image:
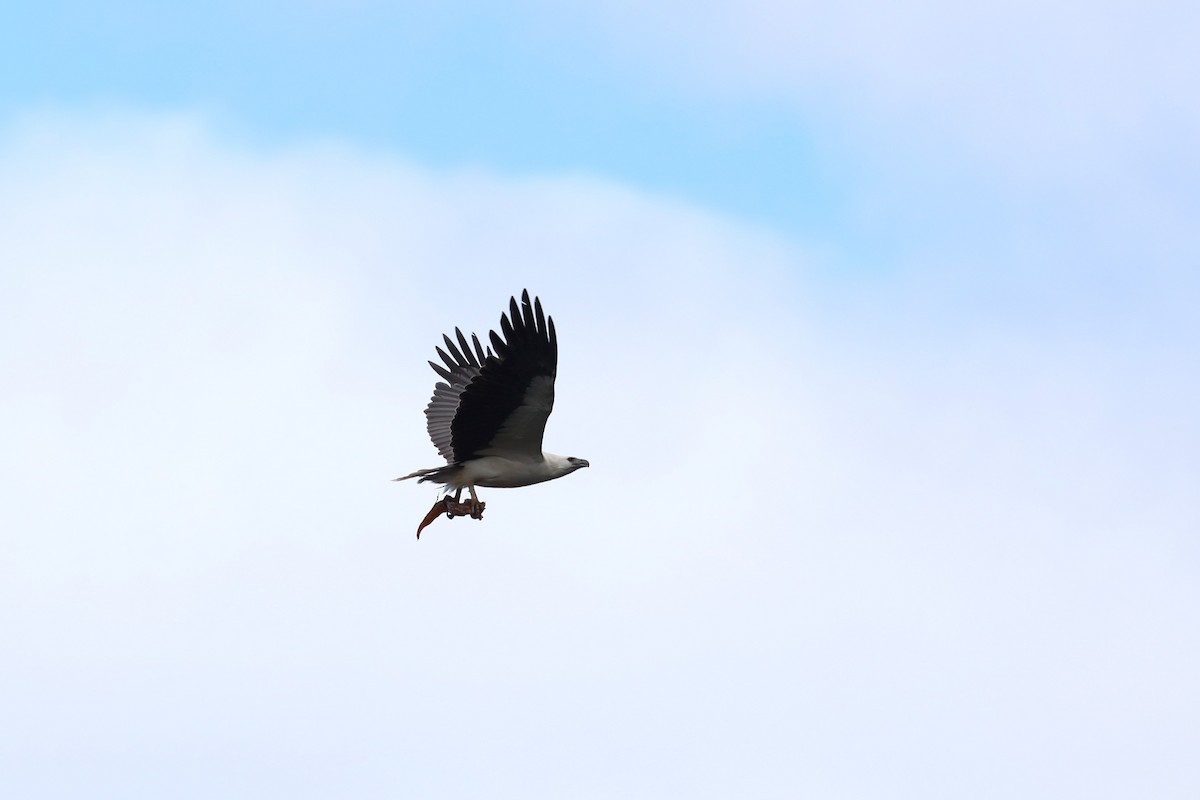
{"points": [[466, 349], [487, 398]]}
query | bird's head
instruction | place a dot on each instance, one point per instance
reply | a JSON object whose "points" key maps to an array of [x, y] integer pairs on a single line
{"points": [[564, 465]]}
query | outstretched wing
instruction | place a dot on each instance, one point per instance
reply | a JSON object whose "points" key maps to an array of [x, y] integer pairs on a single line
{"points": [[497, 403], [462, 367]]}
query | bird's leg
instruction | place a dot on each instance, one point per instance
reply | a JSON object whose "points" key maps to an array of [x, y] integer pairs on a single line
{"points": [[476, 506], [457, 497]]}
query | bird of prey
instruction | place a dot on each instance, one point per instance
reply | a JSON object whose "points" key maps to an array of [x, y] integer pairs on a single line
{"points": [[487, 417]]}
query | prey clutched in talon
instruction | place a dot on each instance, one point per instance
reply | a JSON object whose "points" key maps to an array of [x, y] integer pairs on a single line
{"points": [[451, 508]]}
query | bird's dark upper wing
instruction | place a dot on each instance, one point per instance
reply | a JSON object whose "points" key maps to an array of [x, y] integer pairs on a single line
{"points": [[462, 367], [502, 409]]}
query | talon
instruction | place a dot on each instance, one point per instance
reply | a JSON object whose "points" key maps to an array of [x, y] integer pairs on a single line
{"points": [[452, 508]]}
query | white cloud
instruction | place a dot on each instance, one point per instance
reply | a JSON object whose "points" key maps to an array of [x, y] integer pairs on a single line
{"points": [[1076, 83], [855, 548], [1054, 138]]}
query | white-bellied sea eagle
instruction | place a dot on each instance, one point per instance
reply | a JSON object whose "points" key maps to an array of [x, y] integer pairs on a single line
{"points": [[488, 417]]}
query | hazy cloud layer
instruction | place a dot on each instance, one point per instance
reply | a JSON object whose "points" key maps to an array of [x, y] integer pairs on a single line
{"points": [[838, 540], [1075, 81], [1046, 139]]}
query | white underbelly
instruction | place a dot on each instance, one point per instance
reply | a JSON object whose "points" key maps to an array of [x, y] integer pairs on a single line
{"points": [[503, 473]]}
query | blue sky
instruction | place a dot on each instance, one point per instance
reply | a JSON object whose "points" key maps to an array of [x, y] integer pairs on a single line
{"points": [[470, 85], [876, 322]]}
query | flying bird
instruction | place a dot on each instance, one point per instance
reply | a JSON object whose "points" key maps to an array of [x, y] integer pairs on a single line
{"points": [[488, 416]]}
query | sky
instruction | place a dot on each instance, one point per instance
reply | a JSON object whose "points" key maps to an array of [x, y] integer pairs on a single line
{"points": [[876, 323]]}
